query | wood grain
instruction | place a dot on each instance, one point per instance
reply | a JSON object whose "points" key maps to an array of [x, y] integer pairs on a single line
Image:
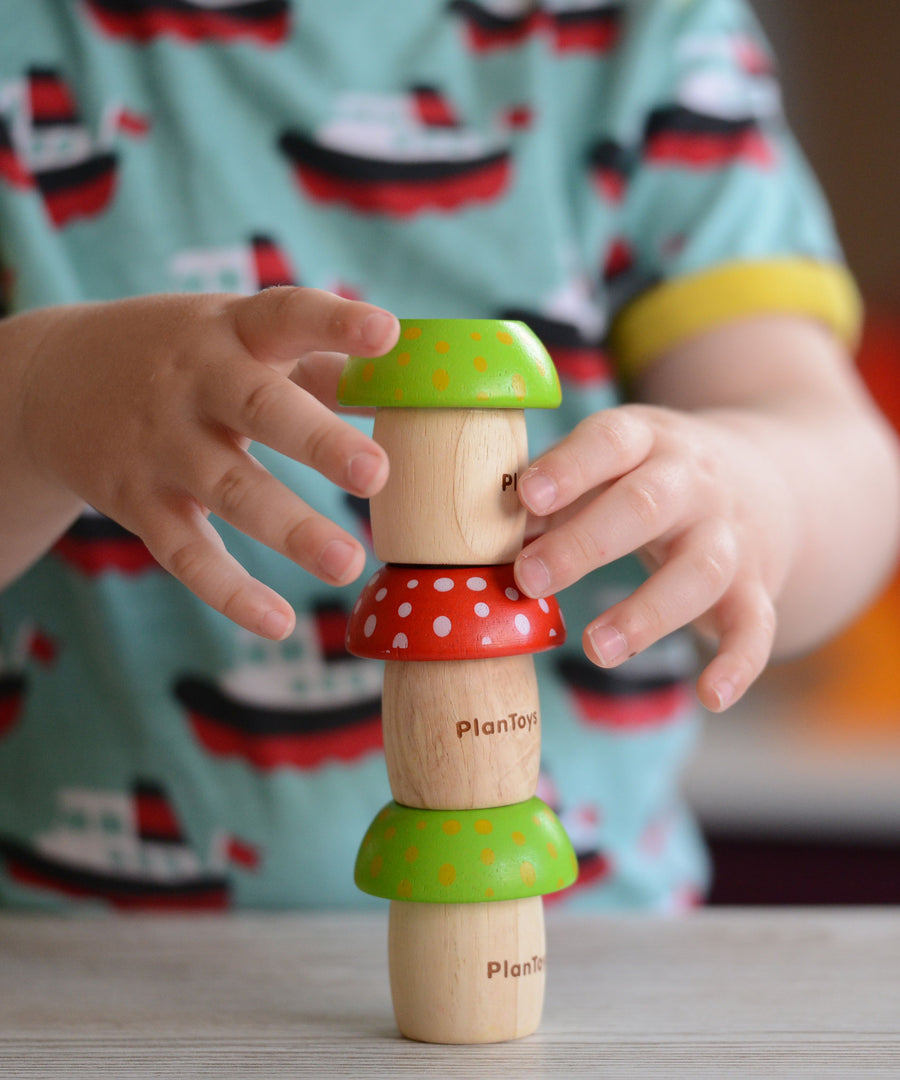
{"points": [[769, 994]]}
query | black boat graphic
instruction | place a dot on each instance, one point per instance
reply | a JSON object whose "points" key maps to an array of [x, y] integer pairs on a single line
{"points": [[264, 21]]}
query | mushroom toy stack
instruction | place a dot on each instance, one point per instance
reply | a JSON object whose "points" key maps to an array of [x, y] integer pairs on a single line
{"points": [[465, 851]]}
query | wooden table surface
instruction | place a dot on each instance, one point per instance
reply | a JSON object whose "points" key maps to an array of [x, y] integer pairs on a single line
{"points": [[722, 993]]}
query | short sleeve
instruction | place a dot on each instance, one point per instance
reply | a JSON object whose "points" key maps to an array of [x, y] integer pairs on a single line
{"points": [[719, 216]]}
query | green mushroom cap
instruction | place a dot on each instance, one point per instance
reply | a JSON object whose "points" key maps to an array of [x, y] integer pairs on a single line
{"points": [[455, 363], [465, 856]]}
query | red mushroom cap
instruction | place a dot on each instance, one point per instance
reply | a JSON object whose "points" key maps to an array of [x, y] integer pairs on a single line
{"points": [[450, 613]]}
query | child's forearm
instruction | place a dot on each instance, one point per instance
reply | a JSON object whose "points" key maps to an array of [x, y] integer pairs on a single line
{"points": [[35, 508]]}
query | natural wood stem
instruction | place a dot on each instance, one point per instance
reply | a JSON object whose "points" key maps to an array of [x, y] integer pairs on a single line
{"points": [[467, 973], [452, 494], [460, 734]]}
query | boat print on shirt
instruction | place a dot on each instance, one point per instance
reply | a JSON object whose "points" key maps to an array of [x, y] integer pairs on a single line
{"points": [[128, 849], [569, 25], [298, 703], [46, 145], [95, 544], [722, 104], [247, 267], [31, 645], [399, 155], [265, 22]]}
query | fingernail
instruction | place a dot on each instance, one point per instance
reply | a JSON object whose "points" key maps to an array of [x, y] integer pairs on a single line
{"points": [[363, 470], [376, 329], [609, 645], [724, 690], [532, 575], [538, 492], [336, 559], [276, 625]]}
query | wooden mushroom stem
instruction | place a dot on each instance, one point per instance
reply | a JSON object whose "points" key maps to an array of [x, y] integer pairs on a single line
{"points": [[451, 497], [467, 973], [460, 734]]}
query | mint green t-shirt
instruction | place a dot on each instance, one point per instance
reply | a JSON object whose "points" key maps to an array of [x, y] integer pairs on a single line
{"points": [[566, 162]]}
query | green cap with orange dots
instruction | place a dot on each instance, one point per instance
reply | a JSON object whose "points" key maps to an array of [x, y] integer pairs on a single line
{"points": [[455, 363], [465, 856]]}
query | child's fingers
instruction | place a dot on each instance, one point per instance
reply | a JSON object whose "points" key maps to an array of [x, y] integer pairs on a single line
{"points": [[184, 542], [254, 401], [645, 504], [747, 623], [696, 575], [601, 448], [235, 487], [284, 323]]}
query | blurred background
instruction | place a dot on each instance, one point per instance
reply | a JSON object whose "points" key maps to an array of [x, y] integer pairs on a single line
{"points": [[798, 787]]}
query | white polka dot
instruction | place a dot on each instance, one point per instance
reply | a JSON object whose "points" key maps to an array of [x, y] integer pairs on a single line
{"points": [[512, 594], [357, 605], [412, 583], [444, 584], [482, 610], [543, 605], [381, 594], [486, 640], [400, 641], [552, 632], [442, 626], [522, 624], [404, 610], [369, 628], [476, 584]]}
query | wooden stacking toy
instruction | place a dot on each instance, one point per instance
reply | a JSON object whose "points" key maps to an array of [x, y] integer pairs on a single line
{"points": [[465, 850]]}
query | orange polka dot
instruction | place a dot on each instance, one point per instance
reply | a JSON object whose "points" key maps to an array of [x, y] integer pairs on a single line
{"points": [[518, 387], [528, 873], [447, 874], [482, 826], [411, 853], [368, 371], [475, 335], [518, 838], [441, 379], [383, 813], [488, 893], [403, 358], [442, 346], [404, 888], [551, 847], [480, 363], [398, 393], [482, 395], [376, 865], [487, 856], [538, 819], [504, 338], [412, 332], [451, 827], [421, 824], [390, 832]]}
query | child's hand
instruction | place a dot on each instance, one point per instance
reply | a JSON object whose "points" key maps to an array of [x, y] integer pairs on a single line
{"points": [[144, 408], [757, 488]]}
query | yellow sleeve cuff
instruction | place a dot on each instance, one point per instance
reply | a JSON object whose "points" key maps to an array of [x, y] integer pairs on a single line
{"points": [[680, 309]]}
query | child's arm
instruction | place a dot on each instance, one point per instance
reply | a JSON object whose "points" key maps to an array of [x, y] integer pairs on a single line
{"points": [[760, 484], [144, 409]]}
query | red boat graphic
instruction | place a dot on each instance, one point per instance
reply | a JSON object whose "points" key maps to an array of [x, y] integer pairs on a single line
{"points": [[583, 25], [12, 694], [398, 155], [95, 545], [243, 268], [263, 21], [299, 703], [124, 848], [44, 144], [611, 165], [679, 136], [607, 699]]}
